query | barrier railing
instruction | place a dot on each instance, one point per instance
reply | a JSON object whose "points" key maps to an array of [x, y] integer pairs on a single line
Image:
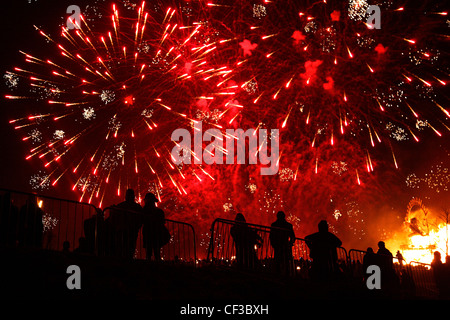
{"points": [[412, 278], [34, 220], [125, 233], [31, 220], [244, 245], [424, 279], [259, 255]]}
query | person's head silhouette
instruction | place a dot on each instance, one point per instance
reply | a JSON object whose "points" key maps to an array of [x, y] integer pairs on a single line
{"points": [[129, 195], [323, 226], [437, 255], [239, 217], [150, 198], [281, 215]]}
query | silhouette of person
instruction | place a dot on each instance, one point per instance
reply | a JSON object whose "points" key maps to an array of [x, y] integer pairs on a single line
{"points": [[94, 232], [126, 220], [8, 220], [386, 264], [385, 256], [323, 251], [282, 238], [437, 262], [154, 232], [66, 246], [31, 227], [438, 272], [400, 258], [245, 239], [369, 259]]}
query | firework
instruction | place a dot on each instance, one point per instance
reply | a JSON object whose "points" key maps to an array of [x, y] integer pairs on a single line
{"points": [[112, 94], [351, 81]]}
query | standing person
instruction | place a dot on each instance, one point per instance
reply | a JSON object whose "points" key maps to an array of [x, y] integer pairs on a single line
{"points": [[245, 239], [31, 224], [386, 264], [385, 257], [126, 220], [323, 251], [154, 232], [282, 238]]}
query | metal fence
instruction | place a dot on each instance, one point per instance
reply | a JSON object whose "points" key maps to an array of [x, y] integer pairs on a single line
{"points": [[30, 220], [413, 278], [260, 255], [424, 279], [33, 220], [125, 233]]}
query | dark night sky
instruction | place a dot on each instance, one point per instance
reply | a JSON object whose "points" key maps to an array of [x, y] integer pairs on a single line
{"points": [[17, 33]]}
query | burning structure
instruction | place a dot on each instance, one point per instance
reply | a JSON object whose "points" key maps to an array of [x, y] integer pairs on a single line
{"points": [[423, 232]]}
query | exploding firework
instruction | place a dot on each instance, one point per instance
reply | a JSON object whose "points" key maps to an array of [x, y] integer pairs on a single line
{"points": [[110, 98], [322, 73]]}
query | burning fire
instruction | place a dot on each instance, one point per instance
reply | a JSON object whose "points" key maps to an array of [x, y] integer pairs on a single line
{"points": [[422, 248], [421, 236]]}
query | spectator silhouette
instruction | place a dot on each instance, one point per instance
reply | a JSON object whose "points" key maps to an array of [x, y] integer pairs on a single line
{"points": [[439, 273], [386, 264], [82, 246], [8, 221], [282, 238], [369, 259], [400, 258], [154, 232], [66, 246], [385, 256], [31, 227], [94, 233], [245, 239], [323, 251], [126, 220]]}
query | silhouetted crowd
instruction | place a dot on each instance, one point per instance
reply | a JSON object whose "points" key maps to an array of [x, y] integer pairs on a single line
{"points": [[117, 235], [322, 246]]}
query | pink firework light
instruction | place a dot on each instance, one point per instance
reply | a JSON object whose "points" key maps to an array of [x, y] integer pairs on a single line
{"points": [[107, 102]]}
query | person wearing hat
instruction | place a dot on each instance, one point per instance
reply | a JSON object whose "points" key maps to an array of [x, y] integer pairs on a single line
{"points": [[154, 232]]}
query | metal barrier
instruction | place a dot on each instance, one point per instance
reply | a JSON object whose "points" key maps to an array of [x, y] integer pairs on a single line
{"points": [[413, 278], [31, 220], [260, 254], [255, 252], [424, 279], [125, 233]]}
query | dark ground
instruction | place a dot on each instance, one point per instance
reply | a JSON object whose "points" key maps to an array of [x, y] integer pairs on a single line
{"points": [[36, 274]]}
